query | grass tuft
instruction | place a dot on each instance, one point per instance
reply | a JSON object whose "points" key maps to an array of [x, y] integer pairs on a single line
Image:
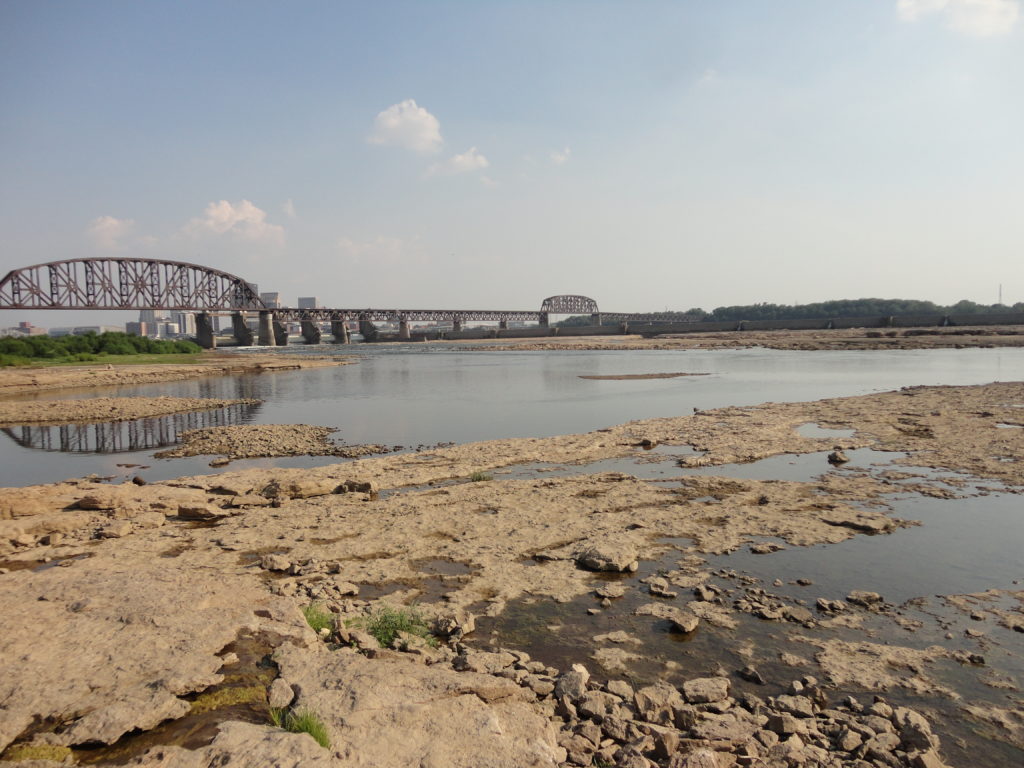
{"points": [[480, 477], [317, 617], [387, 621], [302, 720]]}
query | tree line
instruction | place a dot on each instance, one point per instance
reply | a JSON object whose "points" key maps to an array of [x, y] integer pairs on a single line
{"points": [[88, 346], [826, 309]]}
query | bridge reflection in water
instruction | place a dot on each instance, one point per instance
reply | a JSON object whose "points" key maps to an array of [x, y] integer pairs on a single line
{"points": [[126, 436]]}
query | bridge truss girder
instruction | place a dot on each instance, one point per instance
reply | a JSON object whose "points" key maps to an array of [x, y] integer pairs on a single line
{"points": [[125, 283]]}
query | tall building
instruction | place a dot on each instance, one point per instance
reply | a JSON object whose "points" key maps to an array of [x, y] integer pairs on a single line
{"points": [[308, 302], [272, 300], [186, 323], [147, 316]]}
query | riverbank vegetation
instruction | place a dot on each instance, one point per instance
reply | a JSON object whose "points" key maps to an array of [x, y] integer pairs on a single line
{"points": [[822, 309], [90, 347]]}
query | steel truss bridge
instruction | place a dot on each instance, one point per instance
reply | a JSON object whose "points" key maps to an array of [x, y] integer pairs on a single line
{"points": [[138, 284]]}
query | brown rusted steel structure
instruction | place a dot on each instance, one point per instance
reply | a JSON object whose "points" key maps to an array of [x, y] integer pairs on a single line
{"points": [[136, 284], [125, 283]]}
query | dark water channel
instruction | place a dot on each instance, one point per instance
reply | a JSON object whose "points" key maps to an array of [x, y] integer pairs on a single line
{"points": [[412, 395]]}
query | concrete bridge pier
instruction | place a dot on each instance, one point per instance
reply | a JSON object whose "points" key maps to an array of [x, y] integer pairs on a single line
{"points": [[204, 331], [624, 328], [456, 325], [503, 325], [280, 333], [310, 332], [595, 319], [243, 333], [266, 330], [403, 330], [367, 329], [543, 320], [340, 330]]}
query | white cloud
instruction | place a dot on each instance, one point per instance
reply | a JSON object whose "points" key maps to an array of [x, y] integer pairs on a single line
{"points": [[243, 220], [487, 181], [289, 208], [407, 125], [380, 250], [977, 18], [560, 158], [108, 232], [468, 161]]}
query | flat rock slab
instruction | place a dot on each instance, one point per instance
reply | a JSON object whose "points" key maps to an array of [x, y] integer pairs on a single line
{"points": [[385, 713], [109, 644]]}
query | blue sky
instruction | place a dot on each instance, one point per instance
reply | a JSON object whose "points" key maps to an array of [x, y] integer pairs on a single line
{"points": [[488, 154]]}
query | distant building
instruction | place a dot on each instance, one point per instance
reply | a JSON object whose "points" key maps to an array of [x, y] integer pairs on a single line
{"points": [[147, 316], [272, 300], [136, 329], [308, 302], [186, 323]]}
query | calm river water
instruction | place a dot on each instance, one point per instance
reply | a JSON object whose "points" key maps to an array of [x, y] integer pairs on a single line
{"points": [[417, 394]]}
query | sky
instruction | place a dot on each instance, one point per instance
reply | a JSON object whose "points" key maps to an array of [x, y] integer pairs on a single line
{"points": [[486, 155]]}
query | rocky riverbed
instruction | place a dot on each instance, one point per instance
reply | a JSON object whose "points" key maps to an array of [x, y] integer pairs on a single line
{"points": [[32, 379], [134, 615], [852, 338], [97, 409], [247, 441]]}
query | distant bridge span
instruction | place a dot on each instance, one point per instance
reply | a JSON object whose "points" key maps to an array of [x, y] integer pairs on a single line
{"points": [[121, 283]]}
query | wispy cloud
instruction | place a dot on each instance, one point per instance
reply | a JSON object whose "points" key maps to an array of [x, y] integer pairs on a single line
{"points": [[407, 125], [380, 250], [560, 158], [976, 18], [242, 220], [469, 161], [289, 208], [109, 232]]}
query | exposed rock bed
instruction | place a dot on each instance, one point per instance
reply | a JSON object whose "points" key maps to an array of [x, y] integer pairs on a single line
{"points": [[853, 338], [257, 440], [97, 409], [28, 380], [121, 602]]}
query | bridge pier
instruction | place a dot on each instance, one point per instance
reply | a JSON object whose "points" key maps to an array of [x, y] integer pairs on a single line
{"points": [[310, 332], [543, 320], [243, 334], [595, 319], [266, 330], [403, 330], [503, 325], [624, 328], [368, 330], [340, 330], [204, 331], [280, 333], [457, 325]]}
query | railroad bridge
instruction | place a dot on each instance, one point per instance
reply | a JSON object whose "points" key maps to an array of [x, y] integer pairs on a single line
{"points": [[142, 284]]}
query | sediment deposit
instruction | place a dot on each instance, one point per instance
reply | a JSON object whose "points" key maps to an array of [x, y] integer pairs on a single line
{"points": [[249, 441], [31, 379], [97, 409], [853, 338]]}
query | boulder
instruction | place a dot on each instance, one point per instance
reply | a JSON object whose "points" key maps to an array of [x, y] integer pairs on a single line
{"points": [[609, 555], [702, 690], [573, 683]]}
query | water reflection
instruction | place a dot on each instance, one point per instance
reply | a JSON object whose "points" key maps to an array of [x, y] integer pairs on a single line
{"points": [[126, 436]]}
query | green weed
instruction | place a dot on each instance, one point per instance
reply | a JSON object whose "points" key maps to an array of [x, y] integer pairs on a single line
{"points": [[479, 477], [317, 617], [302, 720], [387, 621]]}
